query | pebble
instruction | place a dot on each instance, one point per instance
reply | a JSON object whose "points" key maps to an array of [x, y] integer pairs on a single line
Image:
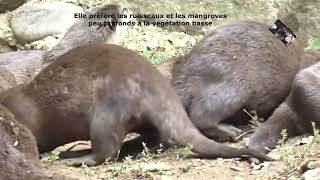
{"points": [[313, 174]]}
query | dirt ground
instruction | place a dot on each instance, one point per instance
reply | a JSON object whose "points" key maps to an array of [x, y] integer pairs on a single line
{"points": [[176, 164]]}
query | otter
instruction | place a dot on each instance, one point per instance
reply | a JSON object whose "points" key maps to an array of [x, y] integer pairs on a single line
{"points": [[18, 151], [21, 66], [238, 66], [80, 32], [101, 92], [304, 98], [287, 115], [267, 135]]}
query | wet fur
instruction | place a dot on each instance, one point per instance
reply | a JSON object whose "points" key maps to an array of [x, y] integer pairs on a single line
{"points": [[100, 93], [238, 66]]}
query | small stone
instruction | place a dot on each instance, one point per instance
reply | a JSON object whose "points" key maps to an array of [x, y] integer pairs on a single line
{"points": [[239, 178], [305, 140], [235, 168], [314, 164], [257, 167], [313, 174], [255, 172], [292, 178]]}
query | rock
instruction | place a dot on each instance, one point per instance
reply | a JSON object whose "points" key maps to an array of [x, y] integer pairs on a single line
{"points": [[19, 67], [8, 5], [20, 161], [4, 47], [313, 164], [6, 33], [18, 133], [32, 22], [313, 174]]}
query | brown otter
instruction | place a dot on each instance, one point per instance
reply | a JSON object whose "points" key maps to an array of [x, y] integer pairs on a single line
{"points": [[18, 152], [267, 135], [238, 66], [304, 97], [22, 66], [81, 33], [100, 93]]}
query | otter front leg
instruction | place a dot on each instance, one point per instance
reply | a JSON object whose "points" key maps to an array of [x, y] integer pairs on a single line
{"points": [[267, 135], [106, 133]]}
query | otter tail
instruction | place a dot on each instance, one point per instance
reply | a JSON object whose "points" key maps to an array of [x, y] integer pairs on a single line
{"points": [[208, 148], [176, 128]]}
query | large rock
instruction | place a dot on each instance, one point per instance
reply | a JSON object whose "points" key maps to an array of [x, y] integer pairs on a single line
{"points": [[8, 5], [19, 67], [32, 22]]}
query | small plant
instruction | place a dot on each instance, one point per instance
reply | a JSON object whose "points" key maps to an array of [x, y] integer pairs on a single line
{"points": [[141, 173], [188, 148], [146, 151], [89, 173], [126, 164], [284, 136], [294, 156], [185, 151], [314, 43], [255, 119], [316, 133], [147, 154], [161, 149], [186, 168], [53, 156]]}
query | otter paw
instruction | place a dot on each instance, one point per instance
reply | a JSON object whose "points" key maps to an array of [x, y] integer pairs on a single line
{"points": [[223, 132]]}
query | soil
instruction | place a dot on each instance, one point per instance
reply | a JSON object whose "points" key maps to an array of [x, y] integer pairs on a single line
{"points": [[176, 163]]}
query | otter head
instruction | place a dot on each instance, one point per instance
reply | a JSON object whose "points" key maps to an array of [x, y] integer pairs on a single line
{"points": [[106, 29]]}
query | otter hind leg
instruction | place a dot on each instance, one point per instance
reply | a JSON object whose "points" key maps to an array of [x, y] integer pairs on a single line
{"points": [[213, 105]]}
